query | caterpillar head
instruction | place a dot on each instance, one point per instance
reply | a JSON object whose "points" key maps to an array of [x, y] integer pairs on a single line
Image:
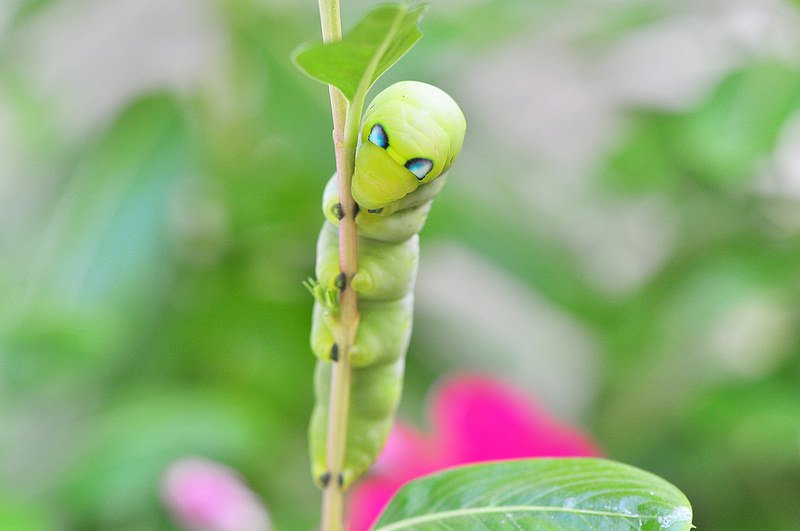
{"points": [[411, 134]]}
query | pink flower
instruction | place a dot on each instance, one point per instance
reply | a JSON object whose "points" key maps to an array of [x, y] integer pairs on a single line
{"points": [[202, 495], [474, 419]]}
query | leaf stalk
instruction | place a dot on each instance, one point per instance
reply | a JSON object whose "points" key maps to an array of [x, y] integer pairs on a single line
{"points": [[345, 138]]}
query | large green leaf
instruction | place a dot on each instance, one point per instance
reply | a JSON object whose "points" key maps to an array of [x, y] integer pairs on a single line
{"points": [[354, 63], [575, 493]]}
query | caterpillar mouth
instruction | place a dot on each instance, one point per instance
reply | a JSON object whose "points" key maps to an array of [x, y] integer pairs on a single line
{"points": [[378, 179]]}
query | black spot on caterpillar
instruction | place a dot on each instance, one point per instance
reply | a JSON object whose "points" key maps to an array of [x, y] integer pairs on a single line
{"points": [[337, 211], [335, 352], [325, 478], [341, 281]]}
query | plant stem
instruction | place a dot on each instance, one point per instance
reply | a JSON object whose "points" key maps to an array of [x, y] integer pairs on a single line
{"points": [[345, 137]]}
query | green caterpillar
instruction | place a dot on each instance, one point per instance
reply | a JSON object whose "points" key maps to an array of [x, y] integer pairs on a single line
{"points": [[410, 135]]}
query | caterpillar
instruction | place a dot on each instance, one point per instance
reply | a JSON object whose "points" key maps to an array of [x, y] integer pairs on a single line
{"points": [[410, 135]]}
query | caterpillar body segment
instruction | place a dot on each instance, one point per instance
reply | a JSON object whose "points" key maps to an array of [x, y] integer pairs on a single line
{"points": [[386, 270], [374, 396], [410, 135], [382, 337], [383, 225]]}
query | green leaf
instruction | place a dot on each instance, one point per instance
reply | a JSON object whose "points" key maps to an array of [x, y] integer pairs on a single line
{"points": [[576, 493], [723, 141], [17, 514], [725, 138], [353, 64]]}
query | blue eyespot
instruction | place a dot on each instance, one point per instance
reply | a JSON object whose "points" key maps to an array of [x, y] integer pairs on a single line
{"points": [[378, 136], [419, 167]]}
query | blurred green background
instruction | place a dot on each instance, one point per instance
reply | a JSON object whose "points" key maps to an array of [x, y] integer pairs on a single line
{"points": [[620, 237]]}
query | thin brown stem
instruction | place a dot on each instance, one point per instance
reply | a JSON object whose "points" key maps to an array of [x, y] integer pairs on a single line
{"points": [[345, 136]]}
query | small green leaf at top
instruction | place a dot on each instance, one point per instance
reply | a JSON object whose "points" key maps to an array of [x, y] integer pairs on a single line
{"points": [[548, 494], [354, 63]]}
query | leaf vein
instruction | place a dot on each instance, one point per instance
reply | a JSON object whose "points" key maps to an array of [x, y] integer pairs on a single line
{"points": [[473, 511]]}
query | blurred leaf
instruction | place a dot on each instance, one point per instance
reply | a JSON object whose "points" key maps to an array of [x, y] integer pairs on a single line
{"points": [[743, 436], [25, 10], [724, 139], [643, 163], [103, 256], [23, 516], [353, 64], [151, 429], [721, 142], [109, 226], [32, 118], [538, 259], [619, 20], [475, 27], [54, 345], [539, 494]]}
